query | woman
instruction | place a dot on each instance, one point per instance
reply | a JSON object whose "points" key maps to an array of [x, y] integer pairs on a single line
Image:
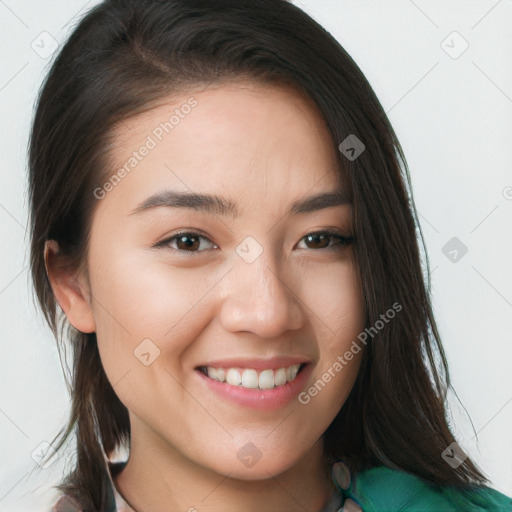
{"points": [[222, 211]]}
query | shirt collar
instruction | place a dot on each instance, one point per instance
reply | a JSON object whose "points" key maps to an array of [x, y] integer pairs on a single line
{"points": [[339, 472]]}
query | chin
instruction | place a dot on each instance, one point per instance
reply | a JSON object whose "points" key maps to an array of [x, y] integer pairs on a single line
{"points": [[248, 463]]}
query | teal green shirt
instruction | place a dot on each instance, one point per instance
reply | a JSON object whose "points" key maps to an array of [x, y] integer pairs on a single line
{"points": [[382, 489]]}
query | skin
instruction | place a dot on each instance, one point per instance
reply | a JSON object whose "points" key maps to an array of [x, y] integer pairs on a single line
{"points": [[263, 147]]}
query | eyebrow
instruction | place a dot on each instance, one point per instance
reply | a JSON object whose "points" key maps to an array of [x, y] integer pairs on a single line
{"points": [[217, 205]]}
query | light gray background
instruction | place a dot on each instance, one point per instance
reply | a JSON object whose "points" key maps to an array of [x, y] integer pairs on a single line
{"points": [[453, 117]]}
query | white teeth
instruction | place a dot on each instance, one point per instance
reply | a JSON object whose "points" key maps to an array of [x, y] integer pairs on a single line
{"points": [[291, 372], [280, 377], [233, 377], [249, 378], [266, 380], [213, 373]]}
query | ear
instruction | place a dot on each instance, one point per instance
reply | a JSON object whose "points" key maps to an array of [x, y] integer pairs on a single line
{"points": [[70, 287]]}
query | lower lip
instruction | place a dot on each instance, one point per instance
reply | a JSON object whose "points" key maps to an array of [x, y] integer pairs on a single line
{"points": [[265, 399]]}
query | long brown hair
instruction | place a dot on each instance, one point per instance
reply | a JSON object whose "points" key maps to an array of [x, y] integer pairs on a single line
{"points": [[126, 55]]}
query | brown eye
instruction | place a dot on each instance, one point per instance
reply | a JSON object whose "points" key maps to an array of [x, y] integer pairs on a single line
{"points": [[319, 241], [185, 243], [323, 239]]}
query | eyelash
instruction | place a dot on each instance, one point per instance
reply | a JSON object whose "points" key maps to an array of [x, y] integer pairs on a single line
{"points": [[343, 241]]}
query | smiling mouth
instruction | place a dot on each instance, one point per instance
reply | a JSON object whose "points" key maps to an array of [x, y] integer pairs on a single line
{"points": [[250, 378]]}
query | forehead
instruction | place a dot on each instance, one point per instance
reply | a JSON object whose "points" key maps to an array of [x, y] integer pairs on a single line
{"points": [[232, 108], [265, 138]]}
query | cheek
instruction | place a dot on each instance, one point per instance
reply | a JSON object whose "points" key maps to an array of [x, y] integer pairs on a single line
{"points": [[334, 299], [148, 298], [137, 300], [338, 305]]}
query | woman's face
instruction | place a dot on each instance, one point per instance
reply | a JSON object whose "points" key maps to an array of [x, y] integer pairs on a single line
{"points": [[246, 294]]}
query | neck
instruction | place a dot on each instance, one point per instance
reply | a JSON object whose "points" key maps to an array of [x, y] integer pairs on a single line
{"points": [[159, 480]]}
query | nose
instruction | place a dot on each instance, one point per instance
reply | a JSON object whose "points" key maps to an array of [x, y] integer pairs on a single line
{"points": [[259, 300]]}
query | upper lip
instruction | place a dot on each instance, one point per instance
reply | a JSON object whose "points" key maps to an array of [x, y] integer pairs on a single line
{"points": [[273, 363]]}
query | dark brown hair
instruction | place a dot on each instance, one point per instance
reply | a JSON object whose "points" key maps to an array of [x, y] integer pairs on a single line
{"points": [[126, 55]]}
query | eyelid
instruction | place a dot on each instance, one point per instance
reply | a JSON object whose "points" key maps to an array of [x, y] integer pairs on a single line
{"points": [[343, 240]]}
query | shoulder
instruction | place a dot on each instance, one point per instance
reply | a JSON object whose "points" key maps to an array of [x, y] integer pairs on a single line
{"points": [[66, 503], [111, 500], [382, 489]]}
